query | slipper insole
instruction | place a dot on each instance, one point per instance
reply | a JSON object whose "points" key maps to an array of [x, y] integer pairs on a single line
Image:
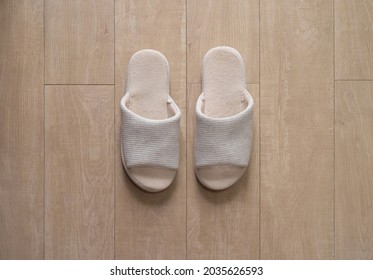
{"points": [[223, 82], [148, 84]]}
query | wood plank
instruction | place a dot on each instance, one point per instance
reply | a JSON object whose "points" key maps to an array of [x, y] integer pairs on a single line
{"points": [[354, 165], [214, 23], [79, 42], [21, 130], [150, 226], [296, 129], [223, 225], [354, 39], [79, 164]]}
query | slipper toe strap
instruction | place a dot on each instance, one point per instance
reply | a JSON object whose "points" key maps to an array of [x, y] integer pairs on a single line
{"points": [[222, 141], [147, 142]]}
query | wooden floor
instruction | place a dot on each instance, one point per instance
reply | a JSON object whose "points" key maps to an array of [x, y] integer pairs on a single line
{"points": [[308, 192]]}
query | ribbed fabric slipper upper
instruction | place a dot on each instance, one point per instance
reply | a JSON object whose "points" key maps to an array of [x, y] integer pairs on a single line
{"points": [[226, 140], [150, 142]]}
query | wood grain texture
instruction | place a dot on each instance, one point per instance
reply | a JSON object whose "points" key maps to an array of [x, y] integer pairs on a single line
{"points": [[79, 166], [21, 130], [214, 23], [223, 225], [296, 129], [79, 42], [354, 165], [73, 199], [353, 39], [148, 225]]}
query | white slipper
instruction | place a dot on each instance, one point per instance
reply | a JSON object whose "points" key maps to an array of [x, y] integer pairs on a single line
{"points": [[150, 123], [224, 116]]}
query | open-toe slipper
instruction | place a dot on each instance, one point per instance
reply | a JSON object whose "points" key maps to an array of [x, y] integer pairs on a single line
{"points": [[224, 116], [150, 123]]}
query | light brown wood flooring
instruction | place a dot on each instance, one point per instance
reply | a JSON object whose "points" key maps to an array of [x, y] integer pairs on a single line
{"points": [[308, 192]]}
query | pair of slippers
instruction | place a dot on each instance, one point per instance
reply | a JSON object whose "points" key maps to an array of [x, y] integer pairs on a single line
{"points": [[150, 121]]}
